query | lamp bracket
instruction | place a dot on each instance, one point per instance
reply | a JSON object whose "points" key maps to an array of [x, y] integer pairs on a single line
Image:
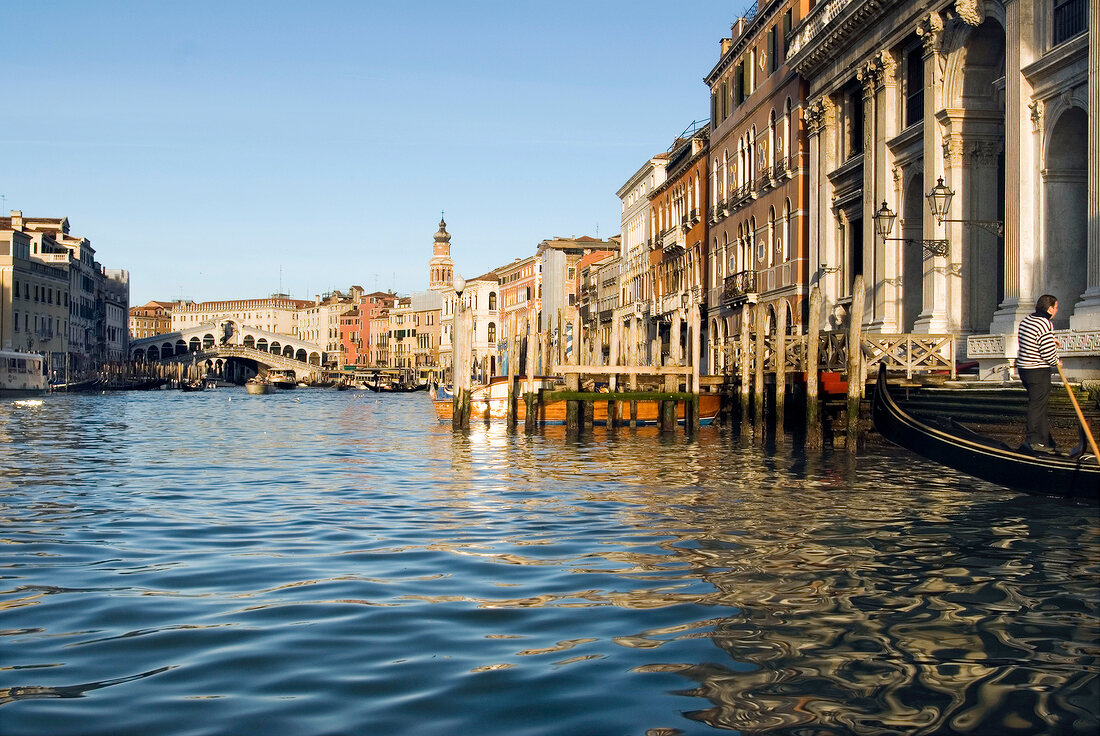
{"points": [[993, 226]]}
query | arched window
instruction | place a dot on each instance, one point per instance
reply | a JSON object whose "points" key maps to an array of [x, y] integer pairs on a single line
{"points": [[773, 149], [788, 232], [788, 131], [492, 300], [772, 235], [492, 332]]}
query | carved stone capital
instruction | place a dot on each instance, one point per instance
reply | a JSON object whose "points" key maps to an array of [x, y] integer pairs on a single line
{"points": [[970, 12], [887, 67], [869, 75], [820, 113], [982, 152], [1038, 111], [952, 150], [814, 116], [930, 29]]}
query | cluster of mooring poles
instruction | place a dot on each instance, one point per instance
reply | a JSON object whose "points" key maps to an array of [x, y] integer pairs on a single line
{"points": [[678, 384], [669, 387]]}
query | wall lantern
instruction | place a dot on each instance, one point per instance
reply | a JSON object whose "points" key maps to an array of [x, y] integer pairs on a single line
{"points": [[884, 224], [939, 201]]}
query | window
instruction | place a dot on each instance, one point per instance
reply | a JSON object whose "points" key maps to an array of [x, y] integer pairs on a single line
{"points": [[572, 299], [1070, 19], [492, 300], [788, 24], [853, 103], [572, 274], [492, 332], [914, 87], [773, 48]]}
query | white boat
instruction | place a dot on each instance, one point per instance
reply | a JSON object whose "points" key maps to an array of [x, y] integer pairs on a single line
{"points": [[21, 374]]}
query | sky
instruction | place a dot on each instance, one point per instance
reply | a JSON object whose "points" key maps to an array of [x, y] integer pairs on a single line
{"points": [[221, 149]]}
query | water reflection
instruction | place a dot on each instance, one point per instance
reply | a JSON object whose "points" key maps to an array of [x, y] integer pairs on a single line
{"points": [[337, 565]]}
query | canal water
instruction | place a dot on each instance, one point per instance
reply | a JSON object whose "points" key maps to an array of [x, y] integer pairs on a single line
{"points": [[317, 563]]}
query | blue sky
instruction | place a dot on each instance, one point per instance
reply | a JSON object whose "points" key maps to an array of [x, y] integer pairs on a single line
{"points": [[219, 149]]}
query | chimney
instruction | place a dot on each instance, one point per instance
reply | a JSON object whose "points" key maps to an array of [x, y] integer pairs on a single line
{"points": [[725, 43], [17, 219]]}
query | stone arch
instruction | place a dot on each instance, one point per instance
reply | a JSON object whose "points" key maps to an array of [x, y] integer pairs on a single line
{"points": [[261, 344], [249, 341], [194, 344], [276, 347], [207, 341], [288, 351], [1065, 190], [314, 359], [153, 353], [911, 255], [166, 349], [301, 355], [974, 143], [181, 346]]}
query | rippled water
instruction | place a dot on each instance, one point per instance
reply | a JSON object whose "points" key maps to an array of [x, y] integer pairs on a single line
{"points": [[320, 562]]}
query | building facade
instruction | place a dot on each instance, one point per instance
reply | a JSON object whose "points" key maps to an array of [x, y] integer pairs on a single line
{"points": [[635, 272], [981, 110], [757, 250], [677, 256]]}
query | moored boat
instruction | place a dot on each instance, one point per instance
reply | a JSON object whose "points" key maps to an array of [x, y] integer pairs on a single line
{"points": [[490, 403], [21, 374], [957, 447]]}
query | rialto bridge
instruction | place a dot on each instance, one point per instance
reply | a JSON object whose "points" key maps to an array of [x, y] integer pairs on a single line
{"points": [[231, 350]]}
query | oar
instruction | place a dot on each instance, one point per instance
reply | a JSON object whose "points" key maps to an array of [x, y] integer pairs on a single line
{"points": [[1080, 414]]}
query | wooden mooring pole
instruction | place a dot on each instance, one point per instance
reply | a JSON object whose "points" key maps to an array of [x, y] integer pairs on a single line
{"points": [[813, 409], [855, 363], [460, 404], [780, 372], [746, 363], [531, 415], [758, 375], [510, 324]]}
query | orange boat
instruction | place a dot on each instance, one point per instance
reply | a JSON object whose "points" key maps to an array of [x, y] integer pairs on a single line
{"points": [[490, 403]]}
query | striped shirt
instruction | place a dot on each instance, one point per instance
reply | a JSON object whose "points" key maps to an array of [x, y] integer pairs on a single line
{"points": [[1036, 343]]}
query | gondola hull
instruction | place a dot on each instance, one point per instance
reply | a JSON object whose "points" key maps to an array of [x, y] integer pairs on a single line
{"points": [[983, 457]]}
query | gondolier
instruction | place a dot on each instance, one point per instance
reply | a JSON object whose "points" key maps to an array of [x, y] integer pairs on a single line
{"points": [[1036, 356]]}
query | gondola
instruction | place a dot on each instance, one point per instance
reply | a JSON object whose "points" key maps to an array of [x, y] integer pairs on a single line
{"points": [[969, 452]]}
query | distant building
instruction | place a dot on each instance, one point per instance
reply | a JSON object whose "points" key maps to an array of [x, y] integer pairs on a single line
{"points": [[426, 308], [558, 259], [635, 273], [320, 322], [278, 313], [151, 318], [80, 325]]}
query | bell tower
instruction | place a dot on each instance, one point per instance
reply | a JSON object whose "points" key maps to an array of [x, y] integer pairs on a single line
{"points": [[441, 267]]}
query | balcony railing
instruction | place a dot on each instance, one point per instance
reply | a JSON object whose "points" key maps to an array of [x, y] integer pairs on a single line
{"points": [[739, 286], [670, 240]]}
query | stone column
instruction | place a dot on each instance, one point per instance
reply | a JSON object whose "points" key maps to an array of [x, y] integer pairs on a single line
{"points": [[1022, 187], [1086, 313], [821, 117], [887, 259], [869, 76], [933, 317]]}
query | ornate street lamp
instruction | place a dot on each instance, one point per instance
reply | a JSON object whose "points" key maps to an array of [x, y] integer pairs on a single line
{"points": [[884, 224], [939, 201]]}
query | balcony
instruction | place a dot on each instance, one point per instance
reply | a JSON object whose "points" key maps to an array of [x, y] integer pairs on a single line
{"points": [[670, 241], [739, 287]]}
